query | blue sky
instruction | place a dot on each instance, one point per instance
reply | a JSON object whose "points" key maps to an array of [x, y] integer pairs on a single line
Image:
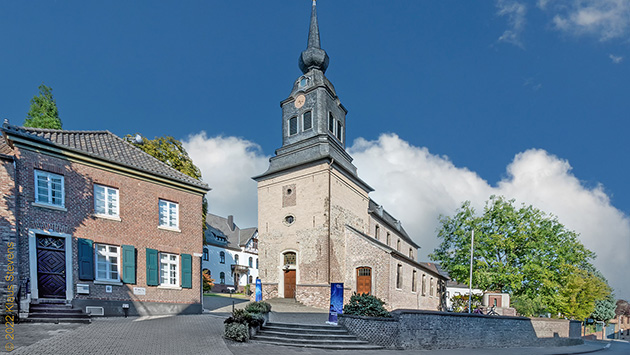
{"points": [[475, 93]]}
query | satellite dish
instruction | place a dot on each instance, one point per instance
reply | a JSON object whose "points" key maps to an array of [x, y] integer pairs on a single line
{"points": [[138, 139]]}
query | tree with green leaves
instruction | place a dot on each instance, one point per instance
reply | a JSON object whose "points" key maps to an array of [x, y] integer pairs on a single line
{"points": [[605, 309], [171, 151], [524, 252], [43, 112]]}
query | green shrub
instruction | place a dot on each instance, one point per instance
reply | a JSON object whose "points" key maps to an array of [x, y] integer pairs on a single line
{"points": [[258, 307], [366, 305], [237, 331], [241, 316]]}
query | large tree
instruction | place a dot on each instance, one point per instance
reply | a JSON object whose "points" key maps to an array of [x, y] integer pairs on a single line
{"points": [[524, 252], [171, 151], [43, 112]]}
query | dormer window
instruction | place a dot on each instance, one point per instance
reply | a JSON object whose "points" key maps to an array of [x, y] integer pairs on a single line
{"points": [[307, 121], [293, 126]]}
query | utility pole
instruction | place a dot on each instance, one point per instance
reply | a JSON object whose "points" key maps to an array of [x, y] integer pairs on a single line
{"points": [[472, 242]]}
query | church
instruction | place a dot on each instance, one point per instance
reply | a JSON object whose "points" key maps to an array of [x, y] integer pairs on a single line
{"points": [[317, 224]]}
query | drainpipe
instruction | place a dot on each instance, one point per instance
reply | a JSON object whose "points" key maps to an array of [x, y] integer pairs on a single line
{"points": [[329, 244]]}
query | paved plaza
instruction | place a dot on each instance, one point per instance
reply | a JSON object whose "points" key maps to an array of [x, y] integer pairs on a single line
{"points": [[203, 334]]}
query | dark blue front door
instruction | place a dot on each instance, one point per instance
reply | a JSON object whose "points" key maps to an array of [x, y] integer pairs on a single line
{"points": [[51, 267]]}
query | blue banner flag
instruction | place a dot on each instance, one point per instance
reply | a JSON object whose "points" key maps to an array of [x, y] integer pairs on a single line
{"points": [[336, 302], [258, 290]]}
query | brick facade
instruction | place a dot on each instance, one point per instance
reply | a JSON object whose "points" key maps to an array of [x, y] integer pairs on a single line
{"points": [[8, 236], [136, 225]]}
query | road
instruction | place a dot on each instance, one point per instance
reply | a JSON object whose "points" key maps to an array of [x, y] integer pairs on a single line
{"points": [[616, 348]]}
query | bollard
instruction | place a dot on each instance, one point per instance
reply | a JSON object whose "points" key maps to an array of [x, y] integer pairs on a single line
{"points": [[232, 306]]}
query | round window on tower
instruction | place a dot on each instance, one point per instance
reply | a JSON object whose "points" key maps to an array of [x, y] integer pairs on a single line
{"points": [[288, 220]]}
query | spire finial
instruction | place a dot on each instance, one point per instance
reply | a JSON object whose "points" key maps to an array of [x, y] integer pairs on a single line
{"points": [[313, 56]]}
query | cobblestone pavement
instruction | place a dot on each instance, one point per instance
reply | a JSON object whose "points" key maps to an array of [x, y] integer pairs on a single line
{"points": [[191, 334]]}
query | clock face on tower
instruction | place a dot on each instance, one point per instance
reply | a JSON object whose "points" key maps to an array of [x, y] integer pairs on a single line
{"points": [[299, 101]]}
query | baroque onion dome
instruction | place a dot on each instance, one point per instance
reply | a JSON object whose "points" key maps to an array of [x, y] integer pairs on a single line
{"points": [[313, 57]]}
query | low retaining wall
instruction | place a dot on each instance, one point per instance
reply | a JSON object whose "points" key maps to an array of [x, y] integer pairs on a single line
{"points": [[414, 329]]}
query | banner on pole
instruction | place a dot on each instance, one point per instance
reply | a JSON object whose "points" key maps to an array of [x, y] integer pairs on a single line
{"points": [[258, 290], [336, 302]]}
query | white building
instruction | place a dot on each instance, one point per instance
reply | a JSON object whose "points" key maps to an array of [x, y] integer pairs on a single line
{"points": [[230, 254]]}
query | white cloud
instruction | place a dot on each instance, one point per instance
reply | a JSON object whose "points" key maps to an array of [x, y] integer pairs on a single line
{"points": [[615, 59], [515, 13], [417, 186], [604, 19], [227, 164]]}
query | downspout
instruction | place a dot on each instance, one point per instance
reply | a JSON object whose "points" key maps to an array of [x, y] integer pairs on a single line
{"points": [[329, 213]]}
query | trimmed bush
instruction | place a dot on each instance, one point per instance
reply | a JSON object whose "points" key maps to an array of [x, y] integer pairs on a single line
{"points": [[237, 331], [366, 305], [241, 316], [258, 307]]}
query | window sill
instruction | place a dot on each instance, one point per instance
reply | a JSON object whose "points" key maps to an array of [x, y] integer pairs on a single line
{"points": [[108, 282], [170, 229], [52, 207], [104, 216], [169, 287]]}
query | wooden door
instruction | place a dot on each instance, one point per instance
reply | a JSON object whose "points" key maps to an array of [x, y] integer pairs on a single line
{"points": [[364, 280], [51, 267], [289, 284]]}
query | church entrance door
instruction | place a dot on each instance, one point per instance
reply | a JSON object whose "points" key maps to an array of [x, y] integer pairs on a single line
{"points": [[289, 284], [364, 280]]}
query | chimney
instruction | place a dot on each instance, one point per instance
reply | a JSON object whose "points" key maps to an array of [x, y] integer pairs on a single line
{"points": [[231, 222]]}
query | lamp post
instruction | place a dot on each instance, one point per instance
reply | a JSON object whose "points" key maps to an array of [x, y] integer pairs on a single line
{"points": [[472, 242]]}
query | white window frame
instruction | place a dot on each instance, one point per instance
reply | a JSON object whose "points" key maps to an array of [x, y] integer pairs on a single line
{"points": [[107, 263], [297, 126], [169, 262], [167, 221], [112, 212], [303, 125], [48, 187]]}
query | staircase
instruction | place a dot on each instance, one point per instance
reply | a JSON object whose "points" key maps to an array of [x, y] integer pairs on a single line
{"points": [[55, 313], [311, 336]]}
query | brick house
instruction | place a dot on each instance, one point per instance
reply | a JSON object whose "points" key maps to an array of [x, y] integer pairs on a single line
{"points": [[316, 221], [230, 254], [100, 224]]}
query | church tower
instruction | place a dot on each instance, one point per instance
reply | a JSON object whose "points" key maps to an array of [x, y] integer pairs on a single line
{"points": [[311, 191]]}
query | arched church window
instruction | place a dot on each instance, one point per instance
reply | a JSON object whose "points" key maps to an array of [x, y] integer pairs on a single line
{"points": [[289, 258], [377, 231], [293, 126], [331, 123], [206, 256], [339, 131], [236, 259], [222, 257], [307, 121], [222, 278], [251, 262], [398, 245]]}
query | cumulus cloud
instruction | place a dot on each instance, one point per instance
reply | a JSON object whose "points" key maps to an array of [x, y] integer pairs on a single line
{"points": [[604, 19], [417, 186], [515, 13], [615, 59], [227, 165]]}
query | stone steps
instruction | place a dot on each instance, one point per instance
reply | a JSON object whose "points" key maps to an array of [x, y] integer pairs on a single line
{"points": [[311, 336], [55, 313]]}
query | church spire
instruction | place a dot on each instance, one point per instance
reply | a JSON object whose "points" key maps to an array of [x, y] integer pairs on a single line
{"points": [[313, 57]]}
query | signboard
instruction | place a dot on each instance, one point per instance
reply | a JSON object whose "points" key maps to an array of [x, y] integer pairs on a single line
{"points": [[336, 302], [258, 290], [139, 291]]}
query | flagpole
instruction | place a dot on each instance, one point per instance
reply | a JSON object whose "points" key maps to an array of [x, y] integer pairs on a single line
{"points": [[472, 242]]}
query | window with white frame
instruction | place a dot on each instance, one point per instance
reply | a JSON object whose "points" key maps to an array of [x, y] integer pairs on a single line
{"points": [[107, 262], [307, 121], [169, 269], [169, 214], [49, 189], [293, 126], [105, 201]]}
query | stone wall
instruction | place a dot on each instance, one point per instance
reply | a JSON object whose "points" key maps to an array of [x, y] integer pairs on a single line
{"points": [[412, 329]]}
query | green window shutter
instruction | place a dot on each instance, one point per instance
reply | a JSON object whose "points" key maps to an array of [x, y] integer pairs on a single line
{"points": [[86, 259], [153, 266], [186, 271], [129, 264]]}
